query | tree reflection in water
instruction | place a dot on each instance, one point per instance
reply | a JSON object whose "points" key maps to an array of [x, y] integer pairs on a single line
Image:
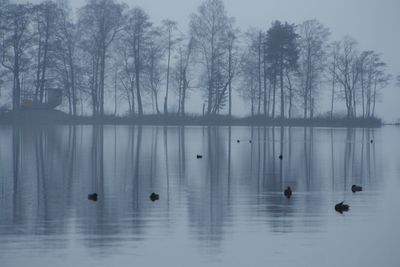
{"points": [[52, 169]]}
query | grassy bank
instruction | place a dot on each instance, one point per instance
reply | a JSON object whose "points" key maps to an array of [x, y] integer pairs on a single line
{"points": [[58, 117]]}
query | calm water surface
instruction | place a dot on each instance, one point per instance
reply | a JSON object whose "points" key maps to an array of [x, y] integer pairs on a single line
{"points": [[226, 209]]}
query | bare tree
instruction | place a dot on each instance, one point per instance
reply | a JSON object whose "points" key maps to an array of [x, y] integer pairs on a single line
{"points": [[373, 78], [100, 22], [170, 27], [233, 62], [3, 8], [347, 73], [182, 74], [126, 73], [46, 17], [334, 54], [67, 39], [249, 88], [209, 30], [154, 66], [313, 53], [252, 70], [16, 43], [136, 35]]}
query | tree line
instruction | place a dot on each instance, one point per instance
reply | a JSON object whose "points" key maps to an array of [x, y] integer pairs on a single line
{"points": [[111, 53]]}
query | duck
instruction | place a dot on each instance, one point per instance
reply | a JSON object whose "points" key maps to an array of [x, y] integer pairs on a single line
{"points": [[238, 141], [341, 207], [93, 197], [356, 188], [154, 197], [372, 141], [280, 157], [250, 141], [288, 192], [199, 156]]}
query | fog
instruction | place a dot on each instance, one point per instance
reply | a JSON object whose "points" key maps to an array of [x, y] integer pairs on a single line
{"points": [[199, 133], [373, 23]]}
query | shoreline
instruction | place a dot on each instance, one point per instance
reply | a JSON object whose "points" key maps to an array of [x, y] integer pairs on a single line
{"points": [[40, 117]]}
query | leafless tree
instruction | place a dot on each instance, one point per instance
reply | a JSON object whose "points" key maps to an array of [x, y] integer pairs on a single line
{"points": [[182, 73], [210, 28], [154, 66], [17, 40], [334, 54], [252, 70], [313, 54], [373, 77], [347, 73], [45, 19], [100, 21], [169, 27], [66, 42], [136, 36]]}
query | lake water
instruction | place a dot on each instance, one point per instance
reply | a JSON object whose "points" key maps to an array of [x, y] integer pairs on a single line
{"points": [[226, 209]]}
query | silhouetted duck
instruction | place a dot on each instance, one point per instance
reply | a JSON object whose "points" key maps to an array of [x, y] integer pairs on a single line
{"points": [[199, 156], [372, 141], [356, 188], [154, 197], [92, 197], [280, 157], [250, 141], [238, 141], [340, 207], [288, 192]]}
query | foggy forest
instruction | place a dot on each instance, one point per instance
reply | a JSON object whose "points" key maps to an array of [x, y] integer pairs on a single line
{"points": [[107, 58]]}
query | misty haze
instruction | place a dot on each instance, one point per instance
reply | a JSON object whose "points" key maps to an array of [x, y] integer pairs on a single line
{"points": [[199, 133]]}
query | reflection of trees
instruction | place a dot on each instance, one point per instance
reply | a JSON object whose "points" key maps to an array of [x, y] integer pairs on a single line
{"points": [[35, 201], [52, 169], [182, 155], [208, 204], [357, 168], [16, 143]]}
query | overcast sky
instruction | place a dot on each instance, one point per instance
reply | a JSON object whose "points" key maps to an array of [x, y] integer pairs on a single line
{"points": [[373, 23]]}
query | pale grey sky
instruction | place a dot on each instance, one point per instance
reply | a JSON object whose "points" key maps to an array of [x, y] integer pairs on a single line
{"points": [[373, 23]]}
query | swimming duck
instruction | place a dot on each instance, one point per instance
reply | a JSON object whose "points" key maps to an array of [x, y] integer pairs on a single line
{"points": [[199, 156], [280, 157], [288, 192], [340, 207], [92, 197], [356, 188], [154, 197]]}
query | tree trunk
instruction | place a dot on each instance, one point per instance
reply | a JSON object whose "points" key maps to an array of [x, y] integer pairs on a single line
{"points": [[333, 88], [44, 65], [115, 92], [230, 80], [266, 108], [137, 73], [168, 67], [184, 88], [102, 77], [282, 95], [39, 55], [273, 96], [259, 73], [17, 85]]}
